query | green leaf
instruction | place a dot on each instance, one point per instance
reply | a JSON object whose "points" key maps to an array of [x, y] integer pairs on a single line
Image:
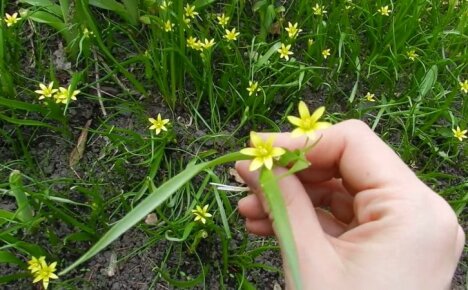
{"points": [[187, 231], [274, 198], [25, 211], [428, 81], [7, 257]]}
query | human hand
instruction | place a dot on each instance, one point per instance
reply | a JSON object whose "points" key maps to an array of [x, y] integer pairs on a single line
{"points": [[384, 228]]}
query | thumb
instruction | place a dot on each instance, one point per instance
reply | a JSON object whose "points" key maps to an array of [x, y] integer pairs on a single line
{"points": [[309, 237]]}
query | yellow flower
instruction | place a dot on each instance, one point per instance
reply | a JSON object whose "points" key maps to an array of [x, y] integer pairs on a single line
{"points": [[370, 97], [165, 5], [459, 134], [207, 44], [201, 214], [285, 51], [35, 264], [65, 95], [319, 10], [292, 30], [464, 86], [307, 124], [158, 124], [45, 273], [186, 20], [231, 35], [11, 20], [193, 43], [384, 10], [87, 33], [168, 25], [46, 91], [253, 88], [223, 20], [310, 41], [263, 151], [411, 54], [190, 11], [326, 53]]}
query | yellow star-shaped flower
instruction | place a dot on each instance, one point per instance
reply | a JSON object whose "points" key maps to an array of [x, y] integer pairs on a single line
{"points": [[65, 95], [253, 88], [326, 53], [223, 20], [207, 44], [464, 86], [168, 25], [45, 273], [370, 97], [11, 20], [459, 134], [193, 43], [285, 51], [190, 11], [201, 214], [231, 35], [307, 124], [411, 54], [292, 30], [165, 5], [46, 91], [159, 124], [319, 10], [262, 151], [384, 10], [35, 264]]}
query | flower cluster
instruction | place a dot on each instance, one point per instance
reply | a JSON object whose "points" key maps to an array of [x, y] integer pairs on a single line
{"points": [[61, 95], [264, 153], [42, 271]]}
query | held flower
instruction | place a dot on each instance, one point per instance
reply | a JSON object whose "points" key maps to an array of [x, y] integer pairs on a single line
{"points": [[292, 30], [201, 214], [459, 134], [45, 273], [307, 124], [285, 51], [11, 20], [65, 95], [262, 151], [464, 86], [46, 91], [231, 35], [159, 124]]}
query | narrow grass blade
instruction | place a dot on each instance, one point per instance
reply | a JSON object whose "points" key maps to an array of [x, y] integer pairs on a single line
{"points": [[277, 207], [25, 211]]}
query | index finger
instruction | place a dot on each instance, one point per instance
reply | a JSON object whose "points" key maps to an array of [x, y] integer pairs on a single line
{"points": [[352, 151]]}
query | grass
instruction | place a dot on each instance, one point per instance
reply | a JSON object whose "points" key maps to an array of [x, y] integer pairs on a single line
{"points": [[133, 60]]}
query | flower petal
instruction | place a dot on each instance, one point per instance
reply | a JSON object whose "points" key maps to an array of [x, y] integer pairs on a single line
{"points": [[321, 125], [268, 161], [317, 114], [295, 121], [249, 151], [255, 139], [277, 151], [298, 132], [256, 164], [303, 110]]}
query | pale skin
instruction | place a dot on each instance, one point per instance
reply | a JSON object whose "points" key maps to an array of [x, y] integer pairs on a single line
{"points": [[383, 227]]}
